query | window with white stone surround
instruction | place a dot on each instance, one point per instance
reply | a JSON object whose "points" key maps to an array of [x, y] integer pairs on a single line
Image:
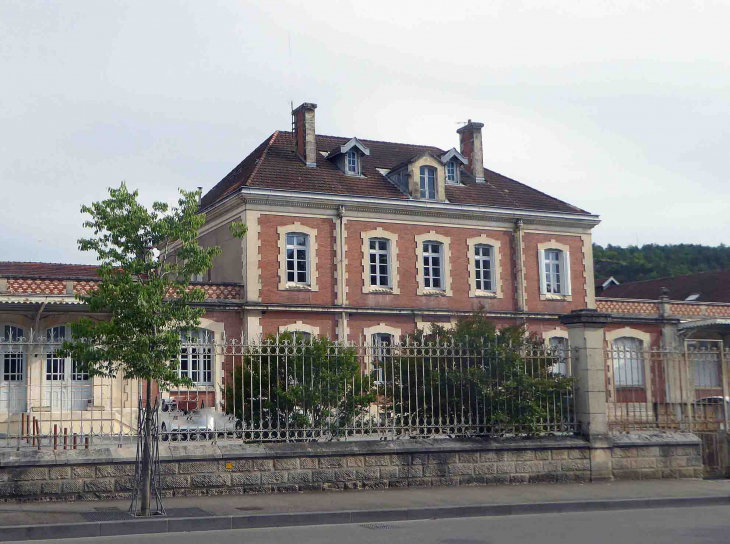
{"points": [[554, 266], [380, 262], [297, 258], [433, 256], [484, 267]]}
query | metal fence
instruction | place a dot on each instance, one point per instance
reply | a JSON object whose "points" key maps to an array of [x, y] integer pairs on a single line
{"points": [[683, 389], [291, 389], [47, 401]]}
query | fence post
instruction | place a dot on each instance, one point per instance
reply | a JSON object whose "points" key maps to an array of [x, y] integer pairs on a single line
{"points": [[585, 333]]}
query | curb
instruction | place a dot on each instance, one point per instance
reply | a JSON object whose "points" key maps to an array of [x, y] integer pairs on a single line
{"points": [[218, 523]]}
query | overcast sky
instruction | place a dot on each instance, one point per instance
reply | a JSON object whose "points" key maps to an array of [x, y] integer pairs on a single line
{"points": [[619, 107]]}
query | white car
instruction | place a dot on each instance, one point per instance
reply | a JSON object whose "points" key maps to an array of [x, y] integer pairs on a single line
{"points": [[198, 424]]}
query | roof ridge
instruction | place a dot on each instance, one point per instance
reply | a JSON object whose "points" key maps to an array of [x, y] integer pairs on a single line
{"points": [[369, 140], [46, 262], [675, 277], [260, 160]]}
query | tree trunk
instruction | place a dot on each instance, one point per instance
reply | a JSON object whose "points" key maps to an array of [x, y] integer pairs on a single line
{"points": [[145, 492]]}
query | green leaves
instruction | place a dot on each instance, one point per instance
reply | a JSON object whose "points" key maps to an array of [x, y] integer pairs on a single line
{"points": [[148, 258]]}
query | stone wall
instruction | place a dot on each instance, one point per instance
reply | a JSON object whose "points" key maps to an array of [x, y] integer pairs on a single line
{"points": [[205, 469]]}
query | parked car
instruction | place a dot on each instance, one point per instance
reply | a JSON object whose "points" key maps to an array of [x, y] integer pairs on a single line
{"points": [[197, 424]]}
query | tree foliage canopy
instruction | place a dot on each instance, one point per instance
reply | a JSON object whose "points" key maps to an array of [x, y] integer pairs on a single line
{"points": [[148, 258], [657, 261]]}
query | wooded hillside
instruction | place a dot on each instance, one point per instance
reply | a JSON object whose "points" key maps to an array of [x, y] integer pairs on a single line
{"points": [[657, 261]]}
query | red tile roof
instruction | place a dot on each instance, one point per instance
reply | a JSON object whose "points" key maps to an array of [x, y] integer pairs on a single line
{"points": [[711, 286], [274, 165], [47, 270]]}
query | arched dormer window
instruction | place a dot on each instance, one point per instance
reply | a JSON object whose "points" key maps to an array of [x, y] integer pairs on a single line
{"points": [[428, 182]]}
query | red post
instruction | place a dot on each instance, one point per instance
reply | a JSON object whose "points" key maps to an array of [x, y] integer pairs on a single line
{"points": [[34, 431], [65, 438], [55, 436], [38, 432], [74, 440], [27, 429], [22, 424], [86, 442]]}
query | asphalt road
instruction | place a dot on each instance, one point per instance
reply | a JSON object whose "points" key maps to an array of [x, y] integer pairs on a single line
{"points": [[665, 525]]}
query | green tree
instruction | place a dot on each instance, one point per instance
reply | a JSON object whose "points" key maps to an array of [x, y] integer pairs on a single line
{"points": [[653, 261], [294, 388], [148, 257], [491, 381]]}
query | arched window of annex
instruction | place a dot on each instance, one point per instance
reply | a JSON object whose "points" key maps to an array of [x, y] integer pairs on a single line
{"points": [[630, 354], [201, 361], [379, 341], [483, 256], [557, 342], [301, 330]]}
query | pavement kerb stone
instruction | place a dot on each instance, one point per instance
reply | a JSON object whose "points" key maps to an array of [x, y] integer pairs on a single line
{"points": [[172, 525]]}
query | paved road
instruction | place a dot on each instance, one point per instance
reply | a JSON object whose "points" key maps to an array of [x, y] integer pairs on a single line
{"points": [[659, 526]]}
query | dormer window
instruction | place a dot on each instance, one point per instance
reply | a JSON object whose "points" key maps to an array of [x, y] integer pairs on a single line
{"points": [[451, 172], [428, 183], [352, 163], [347, 157]]}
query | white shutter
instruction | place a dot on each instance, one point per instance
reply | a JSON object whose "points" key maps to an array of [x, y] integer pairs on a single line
{"points": [[566, 275], [541, 264]]}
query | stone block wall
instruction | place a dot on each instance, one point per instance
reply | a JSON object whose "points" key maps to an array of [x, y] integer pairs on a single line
{"points": [[199, 469]]}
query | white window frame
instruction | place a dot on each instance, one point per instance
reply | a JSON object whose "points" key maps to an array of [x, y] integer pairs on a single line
{"points": [[472, 244], [452, 177], [200, 343], [564, 269], [392, 239], [433, 265], [355, 163], [705, 358], [445, 241], [375, 254], [299, 327], [423, 183], [312, 272], [645, 339], [10, 355], [293, 262], [74, 373], [548, 336], [369, 332]]}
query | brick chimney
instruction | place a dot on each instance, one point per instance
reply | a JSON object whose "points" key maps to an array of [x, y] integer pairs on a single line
{"points": [[470, 140], [304, 133]]}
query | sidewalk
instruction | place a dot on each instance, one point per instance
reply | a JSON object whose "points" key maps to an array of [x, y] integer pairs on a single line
{"points": [[75, 519]]}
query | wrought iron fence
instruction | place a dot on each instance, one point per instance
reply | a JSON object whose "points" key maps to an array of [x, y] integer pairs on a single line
{"points": [[683, 389], [292, 389], [48, 401]]}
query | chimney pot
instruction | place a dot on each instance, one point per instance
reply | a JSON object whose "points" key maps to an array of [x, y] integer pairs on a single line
{"points": [[305, 135], [470, 143]]}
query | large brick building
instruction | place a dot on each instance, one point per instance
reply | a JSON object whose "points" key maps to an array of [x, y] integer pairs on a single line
{"points": [[350, 237], [365, 241]]}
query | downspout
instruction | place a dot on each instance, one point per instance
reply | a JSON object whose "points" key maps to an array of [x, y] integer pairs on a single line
{"points": [[519, 266], [341, 269]]}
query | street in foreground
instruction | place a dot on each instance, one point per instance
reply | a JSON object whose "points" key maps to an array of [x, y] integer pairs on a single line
{"points": [[667, 525]]}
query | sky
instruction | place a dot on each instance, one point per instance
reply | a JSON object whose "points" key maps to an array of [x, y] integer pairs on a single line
{"points": [[619, 107]]}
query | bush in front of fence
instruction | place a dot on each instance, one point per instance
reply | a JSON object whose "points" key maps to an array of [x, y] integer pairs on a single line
{"points": [[292, 387], [477, 380]]}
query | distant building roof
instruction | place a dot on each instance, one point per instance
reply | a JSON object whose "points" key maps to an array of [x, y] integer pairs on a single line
{"points": [[274, 165], [711, 286], [47, 270]]}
